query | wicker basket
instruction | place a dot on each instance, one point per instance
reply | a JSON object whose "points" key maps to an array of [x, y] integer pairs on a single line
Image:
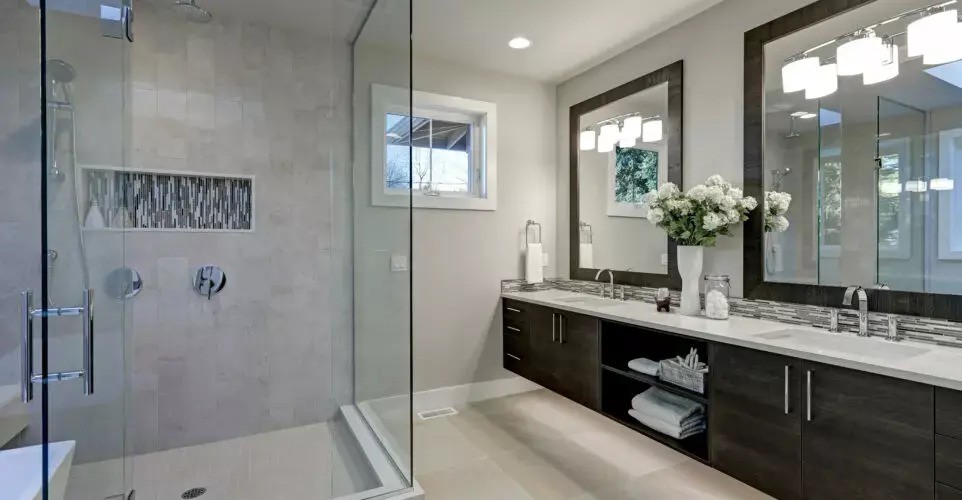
{"points": [[675, 373]]}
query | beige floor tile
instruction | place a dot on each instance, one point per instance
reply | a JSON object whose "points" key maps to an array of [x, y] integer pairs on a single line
{"points": [[689, 481], [479, 479], [440, 445]]}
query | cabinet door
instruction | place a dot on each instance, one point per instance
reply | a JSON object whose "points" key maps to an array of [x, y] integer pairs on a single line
{"points": [[755, 419], [866, 436], [543, 325], [578, 359]]}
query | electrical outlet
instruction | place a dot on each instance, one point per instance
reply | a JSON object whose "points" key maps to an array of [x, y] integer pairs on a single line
{"points": [[664, 259], [399, 263]]}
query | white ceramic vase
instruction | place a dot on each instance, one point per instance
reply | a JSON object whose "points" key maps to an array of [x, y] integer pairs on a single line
{"points": [[690, 261]]}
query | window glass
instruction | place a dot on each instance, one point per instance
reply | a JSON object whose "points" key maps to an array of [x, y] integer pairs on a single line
{"points": [[636, 173], [438, 160]]}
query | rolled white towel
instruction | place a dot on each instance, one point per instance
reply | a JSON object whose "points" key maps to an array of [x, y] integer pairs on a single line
{"points": [[534, 264]]}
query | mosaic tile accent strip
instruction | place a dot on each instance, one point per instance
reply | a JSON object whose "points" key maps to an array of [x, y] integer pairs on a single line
{"points": [[144, 200], [915, 328]]}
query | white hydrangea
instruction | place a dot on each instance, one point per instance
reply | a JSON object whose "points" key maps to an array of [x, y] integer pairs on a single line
{"points": [[656, 215], [716, 180], [736, 193], [682, 206], [779, 223], [733, 216], [712, 221], [777, 202], [667, 190], [698, 193], [749, 203]]}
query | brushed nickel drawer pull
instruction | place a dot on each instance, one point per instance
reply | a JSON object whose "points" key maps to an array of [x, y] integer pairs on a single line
{"points": [[787, 371], [809, 395], [512, 356], [513, 329], [511, 309]]}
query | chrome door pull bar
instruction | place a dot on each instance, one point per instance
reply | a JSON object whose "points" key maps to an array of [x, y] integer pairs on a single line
{"points": [[27, 315], [26, 346]]}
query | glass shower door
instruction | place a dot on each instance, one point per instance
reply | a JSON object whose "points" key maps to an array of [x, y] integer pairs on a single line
{"points": [[78, 314]]}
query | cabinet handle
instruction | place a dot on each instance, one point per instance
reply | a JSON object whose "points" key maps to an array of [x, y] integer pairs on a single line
{"points": [[513, 329], [561, 329], [787, 371], [808, 397], [511, 309], [554, 332], [512, 356]]}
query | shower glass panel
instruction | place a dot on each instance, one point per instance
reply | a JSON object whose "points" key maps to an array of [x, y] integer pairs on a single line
{"points": [[382, 235]]}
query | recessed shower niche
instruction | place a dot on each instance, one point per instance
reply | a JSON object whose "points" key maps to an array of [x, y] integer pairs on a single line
{"points": [[115, 199]]}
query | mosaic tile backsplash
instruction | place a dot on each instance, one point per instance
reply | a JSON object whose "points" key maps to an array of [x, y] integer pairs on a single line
{"points": [[143, 200], [916, 328]]}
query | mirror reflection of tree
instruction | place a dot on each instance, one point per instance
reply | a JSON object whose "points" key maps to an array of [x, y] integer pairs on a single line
{"points": [[636, 174]]}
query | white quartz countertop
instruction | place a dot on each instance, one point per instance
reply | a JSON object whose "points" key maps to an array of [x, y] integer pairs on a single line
{"points": [[919, 362]]}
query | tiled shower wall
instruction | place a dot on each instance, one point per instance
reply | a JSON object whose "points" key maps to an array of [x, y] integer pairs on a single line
{"points": [[273, 350]]}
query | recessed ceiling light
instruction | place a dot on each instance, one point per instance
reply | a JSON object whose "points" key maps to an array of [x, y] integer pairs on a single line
{"points": [[519, 42]]}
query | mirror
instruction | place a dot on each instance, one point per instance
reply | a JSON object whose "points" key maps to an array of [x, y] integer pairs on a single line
{"points": [[869, 149], [625, 143]]}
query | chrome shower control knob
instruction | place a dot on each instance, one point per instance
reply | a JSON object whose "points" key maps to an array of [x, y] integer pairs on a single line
{"points": [[209, 281]]}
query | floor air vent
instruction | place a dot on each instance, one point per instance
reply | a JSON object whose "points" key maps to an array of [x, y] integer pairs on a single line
{"points": [[440, 412]]}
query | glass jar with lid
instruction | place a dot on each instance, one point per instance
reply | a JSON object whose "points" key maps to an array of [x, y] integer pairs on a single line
{"points": [[717, 293]]}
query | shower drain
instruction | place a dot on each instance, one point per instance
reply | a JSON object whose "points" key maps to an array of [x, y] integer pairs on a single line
{"points": [[193, 493]]}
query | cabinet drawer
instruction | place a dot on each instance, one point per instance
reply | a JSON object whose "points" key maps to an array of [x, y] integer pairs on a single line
{"points": [[516, 327], [948, 412], [948, 461], [517, 364], [516, 343], [943, 492], [514, 310]]}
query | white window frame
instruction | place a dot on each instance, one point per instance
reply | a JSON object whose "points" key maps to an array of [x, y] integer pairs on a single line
{"points": [[484, 164], [949, 159]]}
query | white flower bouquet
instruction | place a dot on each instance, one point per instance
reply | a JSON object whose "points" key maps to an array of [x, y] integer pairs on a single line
{"points": [[698, 217], [776, 205]]}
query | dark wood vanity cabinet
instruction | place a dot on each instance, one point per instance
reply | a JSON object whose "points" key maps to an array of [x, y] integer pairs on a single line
{"points": [[559, 350], [866, 436], [755, 422]]}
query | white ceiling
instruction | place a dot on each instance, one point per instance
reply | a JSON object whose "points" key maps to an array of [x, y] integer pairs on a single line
{"points": [[569, 36]]}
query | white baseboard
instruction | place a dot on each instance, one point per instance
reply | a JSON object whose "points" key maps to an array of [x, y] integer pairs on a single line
{"points": [[460, 395]]}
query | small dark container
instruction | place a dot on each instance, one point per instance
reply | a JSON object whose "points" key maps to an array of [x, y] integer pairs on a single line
{"points": [[663, 300]]}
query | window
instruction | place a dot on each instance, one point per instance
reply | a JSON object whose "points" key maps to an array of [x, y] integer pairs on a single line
{"points": [[442, 156], [632, 173], [950, 204]]}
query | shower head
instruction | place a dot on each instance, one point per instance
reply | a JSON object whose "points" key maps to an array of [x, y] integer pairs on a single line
{"points": [[778, 175], [59, 75], [193, 12], [60, 71]]}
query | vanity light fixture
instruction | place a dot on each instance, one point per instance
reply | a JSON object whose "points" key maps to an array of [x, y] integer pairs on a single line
{"points": [[859, 53], [797, 73], [946, 48], [823, 83], [627, 141], [587, 140], [916, 186], [605, 146], [886, 68], [803, 115], [890, 188], [519, 43], [929, 31], [942, 184], [652, 131], [632, 126]]}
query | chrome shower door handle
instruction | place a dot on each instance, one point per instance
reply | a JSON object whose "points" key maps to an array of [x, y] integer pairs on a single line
{"points": [[88, 341], [26, 346]]}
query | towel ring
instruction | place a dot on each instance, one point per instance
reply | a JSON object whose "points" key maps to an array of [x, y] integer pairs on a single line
{"points": [[586, 231], [527, 227]]}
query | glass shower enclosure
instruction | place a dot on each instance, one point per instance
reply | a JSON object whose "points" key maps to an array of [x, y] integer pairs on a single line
{"points": [[192, 278]]}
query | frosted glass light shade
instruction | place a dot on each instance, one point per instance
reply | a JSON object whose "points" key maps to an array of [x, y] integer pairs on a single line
{"points": [[587, 141], [917, 186], [924, 32], [886, 69], [796, 74], [945, 48], [890, 188], [855, 56], [651, 131], [627, 141], [605, 145], [942, 184], [632, 127], [825, 82]]}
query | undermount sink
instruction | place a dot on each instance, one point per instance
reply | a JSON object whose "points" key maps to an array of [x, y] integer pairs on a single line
{"points": [[844, 344], [589, 301]]}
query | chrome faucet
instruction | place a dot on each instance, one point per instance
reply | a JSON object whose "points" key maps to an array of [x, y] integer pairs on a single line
{"points": [[611, 279], [859, 294]]}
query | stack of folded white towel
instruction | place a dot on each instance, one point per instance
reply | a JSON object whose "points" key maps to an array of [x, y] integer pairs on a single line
{"points": [[669, 414]]}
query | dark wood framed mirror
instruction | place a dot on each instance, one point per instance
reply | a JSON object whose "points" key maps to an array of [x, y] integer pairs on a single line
{"points": [[611, 171], [871, 145]]}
